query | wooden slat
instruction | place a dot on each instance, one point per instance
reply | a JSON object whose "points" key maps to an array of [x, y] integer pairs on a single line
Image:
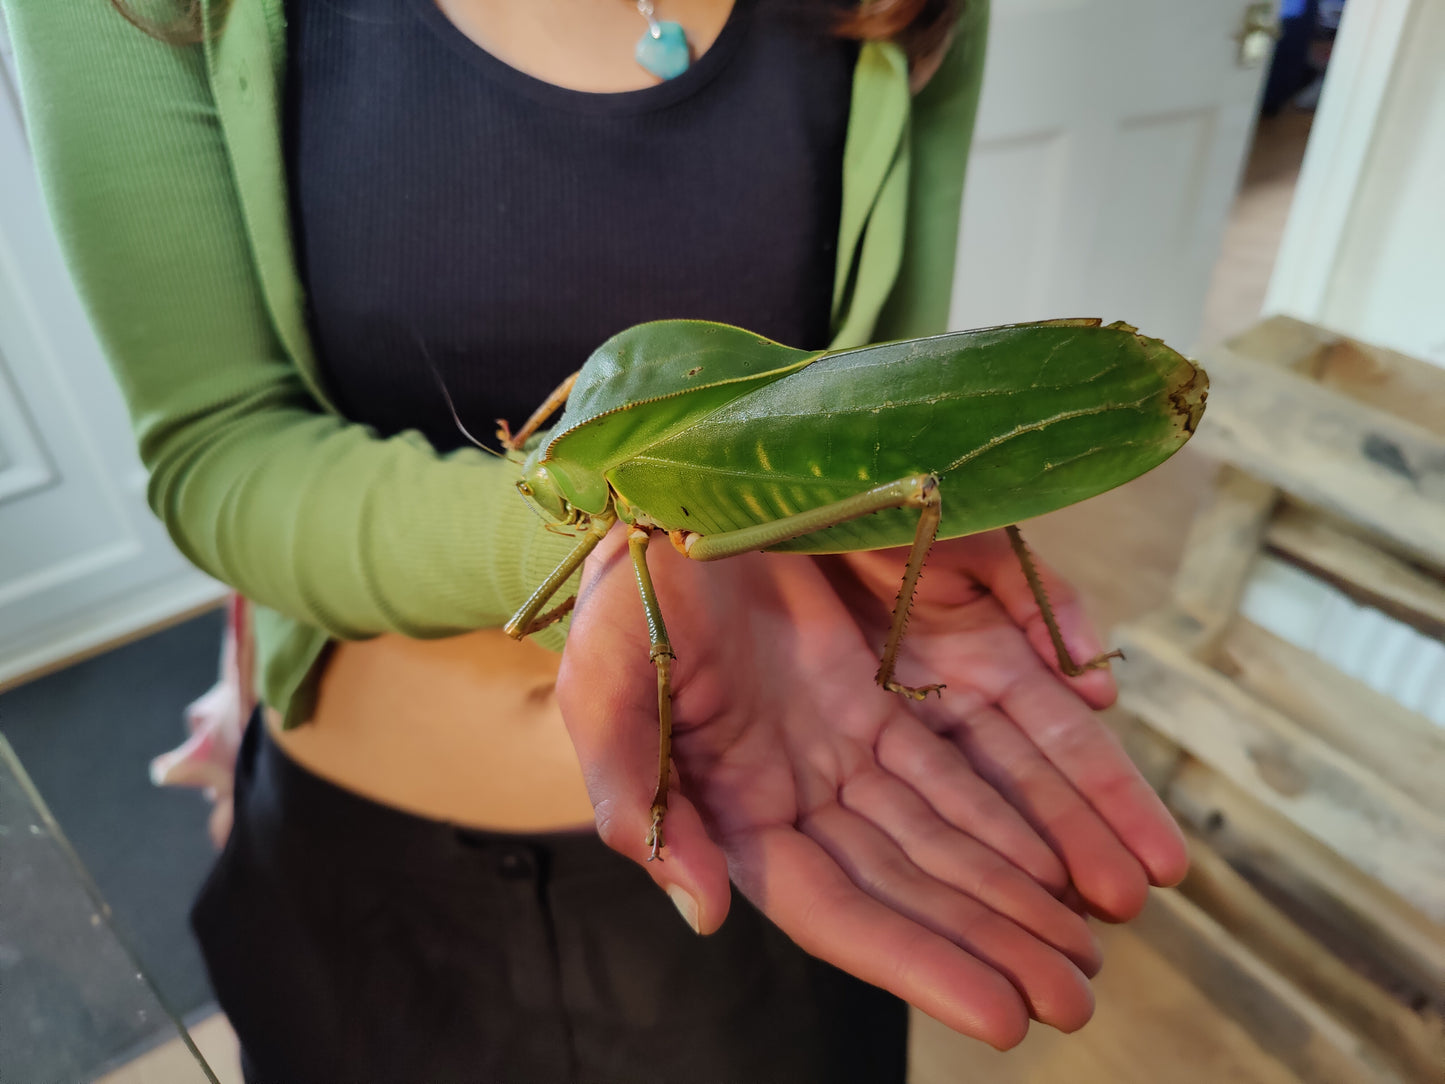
{"points": [[1157, 757], [1413, 1043], [1286, 343], [1399, 745], [1223, 544], [1360, 918], [1385, 833], [1301, 1034], [1404, 386], [1352, 460], [1364, 571]]}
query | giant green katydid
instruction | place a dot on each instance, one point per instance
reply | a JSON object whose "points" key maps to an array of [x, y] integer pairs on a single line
{"points": [[731, 443]]}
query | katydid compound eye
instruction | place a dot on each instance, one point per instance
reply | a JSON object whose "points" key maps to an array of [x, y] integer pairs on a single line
{"points": [[524, 489]]}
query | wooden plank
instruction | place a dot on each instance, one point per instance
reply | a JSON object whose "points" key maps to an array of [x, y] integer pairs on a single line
{"points": [[1284, 342], [1157, 758], [1363, 921], [1413, 1043], [1352, 460], [1223, 543], [1385, 833], [1399, 745], [1306, 1038], [1404, 386], [1365, 572]]}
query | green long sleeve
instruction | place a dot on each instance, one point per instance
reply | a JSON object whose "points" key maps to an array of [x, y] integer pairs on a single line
{"points": [[300, 510]]}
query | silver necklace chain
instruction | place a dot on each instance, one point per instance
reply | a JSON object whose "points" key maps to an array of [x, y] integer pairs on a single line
{"points": [[646, 10]]}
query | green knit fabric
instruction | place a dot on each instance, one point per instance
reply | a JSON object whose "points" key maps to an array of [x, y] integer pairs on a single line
{"points": [[163, 174]]}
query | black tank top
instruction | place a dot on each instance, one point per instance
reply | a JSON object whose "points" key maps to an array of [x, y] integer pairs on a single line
{"points": [[450, 207]]}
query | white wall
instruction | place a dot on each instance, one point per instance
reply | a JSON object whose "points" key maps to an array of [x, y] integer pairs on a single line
{"points": [[1389, 282], [1364, 251]]}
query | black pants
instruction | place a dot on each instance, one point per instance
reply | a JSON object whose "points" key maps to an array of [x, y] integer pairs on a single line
{"points": [[353, 944]]}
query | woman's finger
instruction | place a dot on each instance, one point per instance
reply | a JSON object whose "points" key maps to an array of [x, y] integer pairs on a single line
{"points": [[1054, 990], [1088, 755], [608, 695], [812, 900], [934, 767], [1000, 748], [958, 860]]}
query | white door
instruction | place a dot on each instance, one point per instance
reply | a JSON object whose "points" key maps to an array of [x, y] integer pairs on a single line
{"points": [[82, 560], [1110, 142]]}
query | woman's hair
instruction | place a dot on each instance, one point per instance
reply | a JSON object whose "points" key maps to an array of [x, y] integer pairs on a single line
{"points": [[185, 27], [921, 27]]}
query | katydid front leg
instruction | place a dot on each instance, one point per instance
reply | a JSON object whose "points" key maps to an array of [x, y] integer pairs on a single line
{"points": [[661, 656], [530, 617]]}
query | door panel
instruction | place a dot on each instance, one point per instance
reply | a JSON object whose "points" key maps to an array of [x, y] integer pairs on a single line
{"points": [[82, 560], [1110, 141]]}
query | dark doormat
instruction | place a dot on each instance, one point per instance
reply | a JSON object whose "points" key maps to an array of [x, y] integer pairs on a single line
{"points": [[86, 735]]}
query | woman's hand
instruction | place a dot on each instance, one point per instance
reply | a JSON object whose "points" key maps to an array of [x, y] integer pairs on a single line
{"points": [[925, 847]]}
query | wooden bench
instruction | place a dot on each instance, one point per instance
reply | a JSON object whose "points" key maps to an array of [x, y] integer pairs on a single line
{"points": [[1315, 804]]}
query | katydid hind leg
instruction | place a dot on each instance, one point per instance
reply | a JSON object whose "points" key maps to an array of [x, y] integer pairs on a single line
{"points": [[1056, 637], [930, 512], [661, 654], [919, 491]]}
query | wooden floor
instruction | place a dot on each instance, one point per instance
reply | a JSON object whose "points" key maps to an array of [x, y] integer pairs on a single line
{"points": [[1151, 1026], [172, 1063]]}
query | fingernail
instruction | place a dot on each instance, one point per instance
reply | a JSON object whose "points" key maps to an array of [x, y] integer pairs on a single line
{"points": [[686, 906]]}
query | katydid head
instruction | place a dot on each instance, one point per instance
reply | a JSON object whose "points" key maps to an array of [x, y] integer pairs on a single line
{"points": [[539, 487]]}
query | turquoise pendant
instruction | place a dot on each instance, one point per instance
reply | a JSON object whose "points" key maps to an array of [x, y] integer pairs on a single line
{"points": [[663, 50]]}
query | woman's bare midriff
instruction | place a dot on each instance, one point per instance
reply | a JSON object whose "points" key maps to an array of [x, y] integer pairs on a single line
{"points": [[465, 730]]}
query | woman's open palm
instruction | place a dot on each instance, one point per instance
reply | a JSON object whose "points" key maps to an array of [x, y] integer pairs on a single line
{"points": [[940, 849]]}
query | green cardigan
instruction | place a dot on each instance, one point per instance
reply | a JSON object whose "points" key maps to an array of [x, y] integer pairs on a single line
{"points": [[163, 172]]}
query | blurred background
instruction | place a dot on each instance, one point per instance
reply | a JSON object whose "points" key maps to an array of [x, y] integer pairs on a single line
{"points": [[1260, 182]]}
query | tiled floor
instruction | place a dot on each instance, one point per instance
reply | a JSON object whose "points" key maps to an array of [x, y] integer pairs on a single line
{"points": [[1151, 1024]]}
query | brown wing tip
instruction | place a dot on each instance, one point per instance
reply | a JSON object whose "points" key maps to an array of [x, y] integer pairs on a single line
{"points": [[1188, 397], [1187, 383]]}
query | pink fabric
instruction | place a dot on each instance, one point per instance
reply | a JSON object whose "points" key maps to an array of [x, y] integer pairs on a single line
{"points": [[216, 720]]}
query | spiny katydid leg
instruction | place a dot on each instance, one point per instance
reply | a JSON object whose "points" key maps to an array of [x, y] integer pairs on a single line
{"points": [[930, 512], [530, 617], [916, 491], [1036, 585], [552, 616], [662, 656], [512, 441]]}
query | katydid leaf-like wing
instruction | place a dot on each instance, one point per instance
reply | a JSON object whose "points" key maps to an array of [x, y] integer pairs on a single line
{"points": [[1016, 421], [656, 379]]}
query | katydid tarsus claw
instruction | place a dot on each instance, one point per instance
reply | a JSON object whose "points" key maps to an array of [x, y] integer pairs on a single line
{"points": [[731, 443]]}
